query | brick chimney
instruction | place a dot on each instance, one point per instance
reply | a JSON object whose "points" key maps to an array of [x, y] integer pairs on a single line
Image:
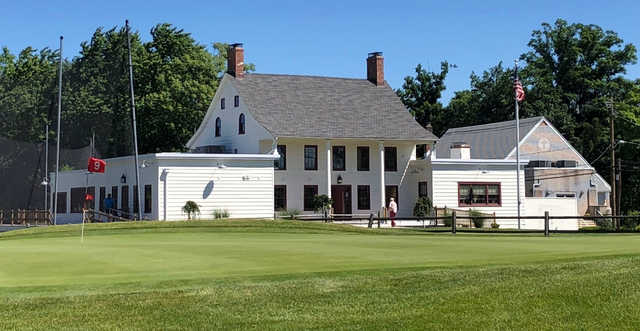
{"points": [[235, 60], [375, 68]]}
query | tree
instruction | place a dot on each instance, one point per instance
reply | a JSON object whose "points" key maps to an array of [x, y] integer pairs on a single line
{"points": [[191, 208], [421, 94]]}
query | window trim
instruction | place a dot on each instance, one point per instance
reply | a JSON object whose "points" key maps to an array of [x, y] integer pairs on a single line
{"points": [[275, 187], [315, 193], [344, 157], [358, 165], [218, 127], [486, 184], [368, 187], [283, 148], [304, 157], [241, 124], [395, 166]]}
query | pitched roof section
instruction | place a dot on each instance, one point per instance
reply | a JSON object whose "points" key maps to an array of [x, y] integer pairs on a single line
{"points": [[488, 141], [324, 107]]}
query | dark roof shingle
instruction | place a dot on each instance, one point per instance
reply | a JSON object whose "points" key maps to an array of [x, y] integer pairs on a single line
{"points": [[325, 107], [487, 141]]}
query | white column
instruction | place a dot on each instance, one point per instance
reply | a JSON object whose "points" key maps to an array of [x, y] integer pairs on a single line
{"points": [[382, 184], [328, 144]]}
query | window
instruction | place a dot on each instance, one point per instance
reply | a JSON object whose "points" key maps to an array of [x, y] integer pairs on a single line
{"points": [[136, 203], [390, 158], [236, 101], [222, 103], [339, 162], [241, 124], [310, 157], [363, 158], [479, 194], [421, 151], [61, 203], [125, 199], [364, 197], [114, 196], [280, 197], [423, 189], [218, 126], [281, 163], [103, 195], [310, 192], [391, 191], [148, 199], [77, 199]]}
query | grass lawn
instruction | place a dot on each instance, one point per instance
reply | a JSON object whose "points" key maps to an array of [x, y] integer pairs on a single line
{"points": [[292, 275]]}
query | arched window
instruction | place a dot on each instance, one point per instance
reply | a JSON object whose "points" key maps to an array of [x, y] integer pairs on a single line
{"points": [[241, 124], [218, 126]]}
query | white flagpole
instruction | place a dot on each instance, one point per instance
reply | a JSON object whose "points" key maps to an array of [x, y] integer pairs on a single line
{"points": [[133, 116], [55, 193], [517, 145]]}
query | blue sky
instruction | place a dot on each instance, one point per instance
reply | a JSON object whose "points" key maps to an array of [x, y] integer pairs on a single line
{"points": [[328, 38]]}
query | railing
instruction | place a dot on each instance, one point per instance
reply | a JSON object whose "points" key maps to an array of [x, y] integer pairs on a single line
{"points": [[25, 217], [92, 215]]}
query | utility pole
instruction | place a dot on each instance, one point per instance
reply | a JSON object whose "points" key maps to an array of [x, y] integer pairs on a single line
{"points": [[619, 187], [613, 158]]}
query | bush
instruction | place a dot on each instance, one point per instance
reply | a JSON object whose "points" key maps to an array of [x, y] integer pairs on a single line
{"points": [[476, 218], [631, 223], [495, 225], [591, 229], [604, 223], [191, 208], [638, 228], [322, 203], [447, 220], [290, 213], [220, 213], [423, 207]]}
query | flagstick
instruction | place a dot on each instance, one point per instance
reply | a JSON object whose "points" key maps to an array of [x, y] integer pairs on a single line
{"points": [[517, 145], [133, 116], [55, 196]]}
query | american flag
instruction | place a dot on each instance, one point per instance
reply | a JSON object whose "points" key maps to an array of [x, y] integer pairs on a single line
{"points": [[519, 90]]}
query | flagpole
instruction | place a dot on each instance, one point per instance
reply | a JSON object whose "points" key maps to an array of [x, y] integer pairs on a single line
{"points": [[55, 196], [517, 145], [133, 116]]}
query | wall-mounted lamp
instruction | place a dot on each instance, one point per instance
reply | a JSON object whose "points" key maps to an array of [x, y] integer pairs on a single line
{"points": [[45, 182], [339, 179], [221, 165], [123, 179]]}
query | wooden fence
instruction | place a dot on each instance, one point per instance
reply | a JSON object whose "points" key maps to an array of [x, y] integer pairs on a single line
{"points": [[25, 217]]}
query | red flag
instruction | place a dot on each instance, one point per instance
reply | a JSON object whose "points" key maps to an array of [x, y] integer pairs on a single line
{"points": [[96, 165], [88, 197], [519, 90]]}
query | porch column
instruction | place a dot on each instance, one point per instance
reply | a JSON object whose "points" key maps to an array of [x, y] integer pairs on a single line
{"points": [[328, 144], [382, 184]]}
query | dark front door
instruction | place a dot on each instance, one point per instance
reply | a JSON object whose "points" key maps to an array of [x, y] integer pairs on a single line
{"points": [[341, 195]]}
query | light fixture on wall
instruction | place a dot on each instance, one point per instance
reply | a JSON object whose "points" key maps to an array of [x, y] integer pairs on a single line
{"points": [[339, 180], [123, 179], [221, 165]]}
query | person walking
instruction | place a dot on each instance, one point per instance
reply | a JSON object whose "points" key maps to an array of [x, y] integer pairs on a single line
{"points": [[393, 210], [108, 204]]}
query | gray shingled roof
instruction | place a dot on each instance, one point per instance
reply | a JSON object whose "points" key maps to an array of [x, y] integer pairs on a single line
{"points": [[324, 107], [488, 141]]}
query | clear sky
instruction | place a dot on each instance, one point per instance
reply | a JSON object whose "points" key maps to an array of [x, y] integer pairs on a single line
{"points": [[328, 38]]}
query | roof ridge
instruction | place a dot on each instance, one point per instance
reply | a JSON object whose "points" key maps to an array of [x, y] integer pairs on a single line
{"points": [[494, 125], [304, 76]]}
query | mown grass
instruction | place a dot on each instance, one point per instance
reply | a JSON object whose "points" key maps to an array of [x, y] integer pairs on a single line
{"points": [[289, 275]]}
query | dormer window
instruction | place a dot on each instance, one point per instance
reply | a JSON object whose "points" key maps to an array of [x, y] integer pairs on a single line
{"points": [[236, 101], [222, 103], [241, 124], [218, 126]]}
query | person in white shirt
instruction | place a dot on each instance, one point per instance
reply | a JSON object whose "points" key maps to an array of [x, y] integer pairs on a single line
{"points": [[393, 210]]}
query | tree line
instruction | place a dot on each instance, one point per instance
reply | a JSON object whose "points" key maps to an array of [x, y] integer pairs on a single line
{"points": [[570, 74]]}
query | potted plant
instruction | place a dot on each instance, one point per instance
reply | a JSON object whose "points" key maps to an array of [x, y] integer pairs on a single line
{"points": [[191, 208]]}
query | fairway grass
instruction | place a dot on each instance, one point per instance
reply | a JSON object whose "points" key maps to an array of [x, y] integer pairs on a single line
{"points": [[293, 275]]}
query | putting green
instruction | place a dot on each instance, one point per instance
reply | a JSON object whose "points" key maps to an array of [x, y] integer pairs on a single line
{"points": [[227, 249]]}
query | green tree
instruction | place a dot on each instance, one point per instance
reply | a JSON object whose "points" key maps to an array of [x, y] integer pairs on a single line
{"points": [[421, 94]]}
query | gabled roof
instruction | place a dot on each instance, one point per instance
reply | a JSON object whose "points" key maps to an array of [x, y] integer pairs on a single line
{"points": [[488, 141], [325, 107]]}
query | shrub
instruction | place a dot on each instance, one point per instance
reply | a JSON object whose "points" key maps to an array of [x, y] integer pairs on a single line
{"points": [[476, 218], [191, 208], [447, 220], [631, 223], [423, 207], [591, 229], [290, 213], [322, 203], [638, 228], [495, 225], [220, 213], [604, 223]]}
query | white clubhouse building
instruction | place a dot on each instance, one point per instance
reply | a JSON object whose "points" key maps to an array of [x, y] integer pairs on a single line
{"points": [[273, 142]]}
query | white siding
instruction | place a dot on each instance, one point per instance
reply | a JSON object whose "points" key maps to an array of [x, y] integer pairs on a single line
{"points": [[555, 207], [445, 187], [243, 188]]}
